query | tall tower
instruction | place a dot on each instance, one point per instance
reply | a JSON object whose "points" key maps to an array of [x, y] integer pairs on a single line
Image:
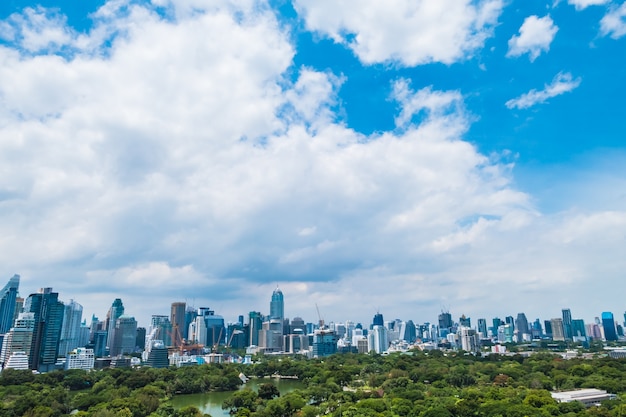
{"points": [[567, 323], [8, 296], [277, 305], [177, 318], [116, 310], [48, 315], [70, 331], [125, 336], [609, 326]]}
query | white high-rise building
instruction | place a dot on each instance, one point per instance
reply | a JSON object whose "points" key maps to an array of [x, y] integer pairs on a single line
{"points": [[80, 358], [377, 339], [19, 337], [17, 360], [70, 330]]}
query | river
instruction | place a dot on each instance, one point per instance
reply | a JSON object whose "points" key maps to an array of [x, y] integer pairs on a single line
{"points": [[211, 402]]}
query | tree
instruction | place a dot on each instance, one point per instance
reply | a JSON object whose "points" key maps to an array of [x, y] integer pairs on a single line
{"points": [[268, 391]]}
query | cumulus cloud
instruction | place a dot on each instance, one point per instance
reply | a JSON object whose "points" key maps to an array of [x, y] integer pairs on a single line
{"points": [[403, 31], [583, 4], [535, 36], [562, 83], [614, 22], [202, 170]]}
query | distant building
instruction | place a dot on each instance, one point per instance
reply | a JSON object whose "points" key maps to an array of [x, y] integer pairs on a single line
{"points": [[567, 324], [482, 327], [70, 330], [589, 397], [8, 300], [608, 324], [177, 318], [48, 314], [377, 339], [157, 357], [19, 338], [469, 339], [80, 358], [125, 336], [17, 360], [324, 343], [116, 310], [558, 332]]}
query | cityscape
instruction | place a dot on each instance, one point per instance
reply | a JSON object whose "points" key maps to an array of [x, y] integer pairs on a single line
{"points": [[43, 333]]}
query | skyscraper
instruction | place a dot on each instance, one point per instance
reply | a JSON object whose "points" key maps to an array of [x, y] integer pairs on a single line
{"points": [[378, 320], [177, 318], [48, 315], [482, 327], [8, 296], [567, 323], [521, 324], [70, 330], [277, 305], [116, 310], [608, 324], [124, 336], [19, 338]]}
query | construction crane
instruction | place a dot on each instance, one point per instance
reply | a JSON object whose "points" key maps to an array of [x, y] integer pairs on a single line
{"points": [[319, 316]]}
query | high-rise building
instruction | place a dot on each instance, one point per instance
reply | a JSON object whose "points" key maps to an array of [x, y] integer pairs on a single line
{"points": [[377, 339], [48, 314], [255, 324], [177, 318], [124, 336], [482, 327], [408, 331], [8, 298], [378, 320], [116, 310], [547, 325], [70, 330], [19, 338], [521, 325], [324, 343], [160, 329], [465, 321], [469, 339], [277, 305], [567, 323], [558, 333], [610, 334], [578, 330]]}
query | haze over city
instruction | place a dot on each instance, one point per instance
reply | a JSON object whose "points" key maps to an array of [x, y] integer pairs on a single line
{"points": [[401, 157]]}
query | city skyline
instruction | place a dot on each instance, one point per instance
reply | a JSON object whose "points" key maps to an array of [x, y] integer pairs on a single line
{"points": [[275, 302], [460, 154]]}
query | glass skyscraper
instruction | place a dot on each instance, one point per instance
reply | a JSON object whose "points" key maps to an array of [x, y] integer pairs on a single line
{"points": [[8, 296], [609, 326]]}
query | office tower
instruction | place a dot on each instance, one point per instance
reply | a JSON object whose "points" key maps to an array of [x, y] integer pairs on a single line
{"points": [[482, 327], [255, 324], [160, 329], [177, 318], [445, 320], [19, 338], [100, 343], [510, 320], [567, 323], [593, 331], [70, 330], [48, 315], [377, 339], [521, 324], [537, 331], [324, 343], [124, 336], [469, 340], [558, 333], [465, 321], [8, 297], [547, 325], [277, 305], [378, 320], [80, 358], [190, 317], [116, 310], [157, 357], [408, 331], [609, 326], [140, 342], [578, 330], [209, 328], [496, 323]]}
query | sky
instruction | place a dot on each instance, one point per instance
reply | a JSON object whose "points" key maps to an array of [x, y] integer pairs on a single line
{"points": [[404, 157]]}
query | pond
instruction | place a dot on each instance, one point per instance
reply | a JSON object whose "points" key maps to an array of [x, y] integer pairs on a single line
{"points": [[211, 402]]}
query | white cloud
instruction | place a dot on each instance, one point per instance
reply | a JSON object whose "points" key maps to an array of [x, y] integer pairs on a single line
{"points": [[614, 22], [535, 36], [403, 31], [562, 83], [583, 4], [197, 170]]}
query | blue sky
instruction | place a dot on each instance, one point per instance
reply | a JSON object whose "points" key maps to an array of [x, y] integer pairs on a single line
{"points": [[401, 157]]}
